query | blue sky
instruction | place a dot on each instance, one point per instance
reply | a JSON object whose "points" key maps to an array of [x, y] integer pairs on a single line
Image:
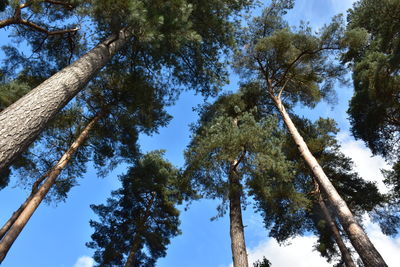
{"points": [[56, 235]]}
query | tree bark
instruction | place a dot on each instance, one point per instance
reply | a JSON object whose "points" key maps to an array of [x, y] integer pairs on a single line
{"points": [[238, 245], [136, 239], [346, 256], [358, 238], [24, 120], [34, 202], [16, 214]]}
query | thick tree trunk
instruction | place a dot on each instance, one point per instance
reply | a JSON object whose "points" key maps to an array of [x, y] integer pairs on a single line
{"points": [[238, 244], [136, 239], [346, 256], [31, 206], [24, 120], [358, 238]]}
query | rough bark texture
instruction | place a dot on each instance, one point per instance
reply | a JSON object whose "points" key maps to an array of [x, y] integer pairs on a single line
{"points": [[31, 206], [346, 256], [136, 239], [238, 244], [358, 238], [24, 120]]}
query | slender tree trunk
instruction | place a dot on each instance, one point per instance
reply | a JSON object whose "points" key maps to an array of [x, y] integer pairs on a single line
{"points": [[16, 214], [359, 239], [346, 256], [34, 202], [24, 120], [136, 239], [238, 244]]}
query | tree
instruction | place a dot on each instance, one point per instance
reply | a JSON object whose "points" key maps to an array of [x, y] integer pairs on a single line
{"points": [[38, 195], [55, 10], [264, 263], [175, 35], [320, 136], [140, 218], [372, 42], [372, 39], [296, 67], [234, 151], [120, 114]]}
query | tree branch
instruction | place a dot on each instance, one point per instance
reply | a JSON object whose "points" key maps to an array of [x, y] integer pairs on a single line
{"points": [[16, 19], [68, 6]]}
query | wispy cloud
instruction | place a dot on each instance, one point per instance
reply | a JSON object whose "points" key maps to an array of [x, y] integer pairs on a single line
{"points": [[84, 261], [368, 166]]}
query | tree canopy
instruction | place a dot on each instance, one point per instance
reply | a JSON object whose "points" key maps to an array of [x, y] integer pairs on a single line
{"points": [[141, 217]]}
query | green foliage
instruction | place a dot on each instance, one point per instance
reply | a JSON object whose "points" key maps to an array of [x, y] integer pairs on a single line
{"points": [[295, 64], [232, 129], [373, 50], [11, 91], [114, 138], [3, 5], [151, 186], [320, 136], [185, 38], [373, 44]]}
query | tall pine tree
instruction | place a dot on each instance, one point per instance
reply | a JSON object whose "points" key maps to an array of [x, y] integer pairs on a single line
{"points": [[296, 67]]}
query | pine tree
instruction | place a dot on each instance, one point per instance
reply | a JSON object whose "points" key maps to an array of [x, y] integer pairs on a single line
{"points": [[119, 115], [234, 151], [320, 136], [296, 67], [139, 220], [372, 42], [172, 33]]}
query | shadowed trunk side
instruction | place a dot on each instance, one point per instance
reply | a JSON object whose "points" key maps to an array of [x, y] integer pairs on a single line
{"points": [[136, 239], [238, 244], [346, 256]]}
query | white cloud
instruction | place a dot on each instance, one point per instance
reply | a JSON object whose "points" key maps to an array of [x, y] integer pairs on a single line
{"points": [[367, 165], [300, 253], [388, 247], [84, 261]]}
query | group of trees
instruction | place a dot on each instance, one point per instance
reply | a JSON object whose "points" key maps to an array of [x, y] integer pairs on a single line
{"points": [[245, 145]]}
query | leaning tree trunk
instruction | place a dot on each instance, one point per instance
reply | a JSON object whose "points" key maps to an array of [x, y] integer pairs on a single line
{"points": [[238, 244], [31, 206], [24, 120], [346, 256], [136, 240], [16, 214], [358, 238]]}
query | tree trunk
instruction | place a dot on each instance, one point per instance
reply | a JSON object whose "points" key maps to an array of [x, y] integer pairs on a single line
{"points": [[24, 120], [136, 239], [31, 206], [238, 244], [358, 238], [346, 256], [16, 214]]}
